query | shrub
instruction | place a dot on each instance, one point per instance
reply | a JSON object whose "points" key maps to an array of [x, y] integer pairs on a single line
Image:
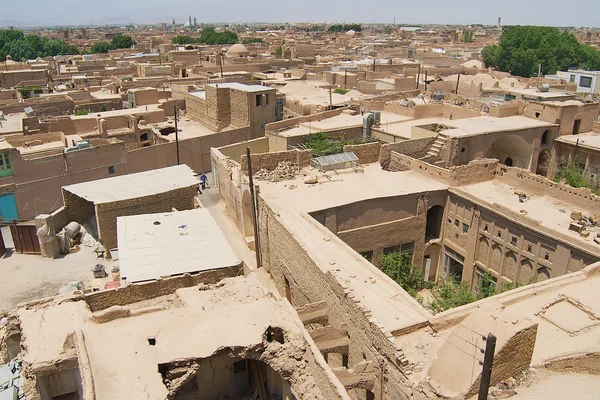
{"points": [[341, 91]]}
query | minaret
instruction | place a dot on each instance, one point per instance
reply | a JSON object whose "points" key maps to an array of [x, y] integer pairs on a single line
{"points": [[499, 23]]}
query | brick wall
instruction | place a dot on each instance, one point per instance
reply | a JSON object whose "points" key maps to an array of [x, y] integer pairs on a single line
{"points": [[78, 209], [285, 259], [367, 153], [269, 161], [106, 214]]}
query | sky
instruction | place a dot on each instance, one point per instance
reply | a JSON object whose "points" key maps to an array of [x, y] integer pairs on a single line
{"points": [[99, 12]]}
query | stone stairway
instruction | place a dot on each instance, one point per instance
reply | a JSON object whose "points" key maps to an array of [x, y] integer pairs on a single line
{"points": [[437, 145]]}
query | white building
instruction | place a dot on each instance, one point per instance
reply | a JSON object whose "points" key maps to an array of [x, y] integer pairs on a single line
{"points": [[587, 81]]}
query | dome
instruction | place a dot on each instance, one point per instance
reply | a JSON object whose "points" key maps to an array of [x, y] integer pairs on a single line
{"points": [[351, 33], [237, 50]]}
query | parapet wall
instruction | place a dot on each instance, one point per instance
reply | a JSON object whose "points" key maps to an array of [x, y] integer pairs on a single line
{"points": [[269, 161], [130, 294], [479, 170], [367, 153], [273, 127], [538, 185]]}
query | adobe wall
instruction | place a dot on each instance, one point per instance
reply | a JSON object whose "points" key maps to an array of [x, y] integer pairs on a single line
{"points": [[236, 150], [38, 181], [130, 294], [579, 198], [227, 175], [269, 161], [367, 153], [284, 257], [564, 115], [443, 111], [15, 78], [273, 127], [194, 152], [508, 110], [511, 247], [107, 213]]}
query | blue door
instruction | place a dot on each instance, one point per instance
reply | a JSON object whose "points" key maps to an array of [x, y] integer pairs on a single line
{"points": [[8, 208]]}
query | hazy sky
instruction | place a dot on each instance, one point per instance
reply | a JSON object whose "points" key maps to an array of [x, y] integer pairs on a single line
{"points": [[75, 12]]}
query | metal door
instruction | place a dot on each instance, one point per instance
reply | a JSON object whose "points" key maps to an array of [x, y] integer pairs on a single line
{"points": [[8, 208], [25, 239]]}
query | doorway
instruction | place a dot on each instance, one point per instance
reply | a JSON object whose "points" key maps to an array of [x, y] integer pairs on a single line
{"points": [[576, 126], [508, 162], [453, 264]]}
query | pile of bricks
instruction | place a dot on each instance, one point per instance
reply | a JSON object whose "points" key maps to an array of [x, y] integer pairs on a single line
{"points": [[285, 170]]}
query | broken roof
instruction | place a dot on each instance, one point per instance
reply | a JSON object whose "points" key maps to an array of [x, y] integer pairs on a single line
{"points": [[156, 245], [133, 186]]}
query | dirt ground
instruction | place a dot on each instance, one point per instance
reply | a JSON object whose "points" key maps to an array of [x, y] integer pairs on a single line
{"points": [[550, 385], [30, 277]]}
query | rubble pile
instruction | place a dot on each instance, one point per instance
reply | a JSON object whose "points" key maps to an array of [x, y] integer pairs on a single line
{"points": [[584, 224], [285, 170]]}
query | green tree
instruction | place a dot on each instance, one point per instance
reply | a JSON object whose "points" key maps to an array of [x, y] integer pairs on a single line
{"points": [[279, 51], [467, 36], [522, 48], [100, 47], [449, 294], [398, 266], [253, 40], [184, 39], [121, 41]]}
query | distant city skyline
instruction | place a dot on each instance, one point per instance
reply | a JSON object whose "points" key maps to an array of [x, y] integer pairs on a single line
{"points": [[463, 12]]}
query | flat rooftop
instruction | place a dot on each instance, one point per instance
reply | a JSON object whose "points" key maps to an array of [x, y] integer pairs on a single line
{"points": [[343, 120], [589, 140], [387, 302], [13, 123], [464, 127], [132, 186], [157, 245], [545, 211], [188, 324], [241, 86]]}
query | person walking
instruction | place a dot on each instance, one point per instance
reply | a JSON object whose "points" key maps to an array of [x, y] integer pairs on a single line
{"points": [[203, 180]]}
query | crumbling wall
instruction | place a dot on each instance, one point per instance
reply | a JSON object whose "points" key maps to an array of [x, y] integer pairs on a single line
{"points": [[581, 198], [130, 294], [443, 111], [367, 153], [479, 170], [512, 358], [228, 179], [292, 268]]}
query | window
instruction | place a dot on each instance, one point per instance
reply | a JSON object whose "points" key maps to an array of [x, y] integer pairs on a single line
{"points": [[111, 170], [485, 228], [547, 257], [465, 228], [513, 241], [258, 100], [481, 281], [402, 248], [265, 99], [456, 223], [529, 248], [367, 255], [5, 167], [499, 234], [585, 81], [572, 78], [240, 366]]}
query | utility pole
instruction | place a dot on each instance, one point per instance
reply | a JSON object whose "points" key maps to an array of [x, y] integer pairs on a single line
{"points": [[176, 132], [254, 213], [418, 75], [488, 361], [330, 99], [457, 80], [345, 79], [425, 82], [221, 62], [539, 70]]}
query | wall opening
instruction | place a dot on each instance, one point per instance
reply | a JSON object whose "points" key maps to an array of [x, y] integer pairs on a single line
{"points": [[435, 216], [511, 150], [223, 377], [453, 264], [576, 126], [508, 162], [543, 163]]}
